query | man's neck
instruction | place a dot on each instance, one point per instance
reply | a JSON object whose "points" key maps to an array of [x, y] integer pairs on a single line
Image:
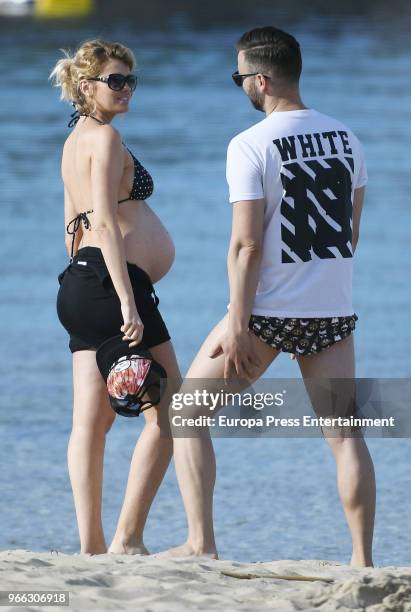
{"points": [[281, 105]]}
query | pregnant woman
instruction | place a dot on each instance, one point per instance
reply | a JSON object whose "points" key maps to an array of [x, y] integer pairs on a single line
{"points": [[118, 247]]}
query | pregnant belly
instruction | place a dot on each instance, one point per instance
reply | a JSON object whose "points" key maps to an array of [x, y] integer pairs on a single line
{"points": [[146, 240]]}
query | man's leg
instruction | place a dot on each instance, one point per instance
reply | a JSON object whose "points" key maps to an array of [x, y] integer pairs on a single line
{"points": [[355, 471], [194, 456]]}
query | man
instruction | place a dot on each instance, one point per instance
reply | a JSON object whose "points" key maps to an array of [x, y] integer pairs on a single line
{"points": [[296, 181]]}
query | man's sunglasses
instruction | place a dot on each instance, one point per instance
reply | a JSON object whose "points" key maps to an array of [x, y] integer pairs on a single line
{"points": [[239, 78], [116, 82]]}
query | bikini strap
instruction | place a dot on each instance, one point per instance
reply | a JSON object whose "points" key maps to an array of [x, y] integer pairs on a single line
{"points": [[76, 223], [75, 116]]}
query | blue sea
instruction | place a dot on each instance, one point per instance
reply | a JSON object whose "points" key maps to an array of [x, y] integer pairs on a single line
{"points": [[274, 498]]}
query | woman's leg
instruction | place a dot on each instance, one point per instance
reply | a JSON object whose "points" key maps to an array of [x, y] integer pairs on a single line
{"points": [[92, 418], [150, 461]]}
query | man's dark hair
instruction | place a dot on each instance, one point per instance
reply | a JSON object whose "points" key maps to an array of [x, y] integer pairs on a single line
{"points": [[272, 50]]}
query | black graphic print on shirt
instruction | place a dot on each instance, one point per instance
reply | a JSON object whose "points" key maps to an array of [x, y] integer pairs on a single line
{"points": [[316, 208]]}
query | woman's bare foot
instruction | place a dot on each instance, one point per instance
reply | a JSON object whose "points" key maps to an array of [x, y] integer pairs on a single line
{"points": [[187, 550], [92, 553], [99, 549]]}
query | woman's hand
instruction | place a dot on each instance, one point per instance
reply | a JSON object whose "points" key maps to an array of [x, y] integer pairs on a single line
{"points": [[133, 326]]}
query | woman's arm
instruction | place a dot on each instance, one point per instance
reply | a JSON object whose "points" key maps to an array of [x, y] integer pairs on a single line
{"points": [[106, 171]]}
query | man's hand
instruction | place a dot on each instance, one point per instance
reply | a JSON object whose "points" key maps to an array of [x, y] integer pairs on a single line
{"points": [[241, 359]]}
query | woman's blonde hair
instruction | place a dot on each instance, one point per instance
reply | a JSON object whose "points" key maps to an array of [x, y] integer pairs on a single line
{"points": [[87, 62]]}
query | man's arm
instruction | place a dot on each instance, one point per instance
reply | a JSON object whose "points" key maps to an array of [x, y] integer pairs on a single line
{"points": [[243, 261], [244, 172]]}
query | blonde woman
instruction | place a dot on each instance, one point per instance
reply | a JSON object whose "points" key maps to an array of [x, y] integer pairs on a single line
{"points": [[118, 247]]}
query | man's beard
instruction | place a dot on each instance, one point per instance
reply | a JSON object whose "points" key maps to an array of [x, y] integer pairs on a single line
{"points": [[256, 99]]}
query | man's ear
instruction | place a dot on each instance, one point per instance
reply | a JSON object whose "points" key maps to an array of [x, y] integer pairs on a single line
{"points": [[261, 81], [264, 83]]}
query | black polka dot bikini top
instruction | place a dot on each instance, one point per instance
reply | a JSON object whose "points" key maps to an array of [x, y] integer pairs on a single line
{"points": [[142, 183], [142, 188]]}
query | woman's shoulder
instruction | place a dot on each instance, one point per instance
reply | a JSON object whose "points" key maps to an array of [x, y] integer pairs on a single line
{"points": [[105, 138], [96, 134], [102, 141]]}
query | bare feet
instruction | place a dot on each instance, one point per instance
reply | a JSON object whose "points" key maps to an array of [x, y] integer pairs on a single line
{"points": [[117, 548], [360, 562], [93, 550], [187, 550]]}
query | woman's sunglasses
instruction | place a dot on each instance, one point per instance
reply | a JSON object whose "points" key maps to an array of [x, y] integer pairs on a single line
{"points": [[116, 82], [239, 78]]}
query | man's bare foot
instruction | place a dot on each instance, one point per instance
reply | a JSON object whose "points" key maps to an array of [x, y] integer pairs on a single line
{"points": [[186, 550], [360, 562], [127, 549]]}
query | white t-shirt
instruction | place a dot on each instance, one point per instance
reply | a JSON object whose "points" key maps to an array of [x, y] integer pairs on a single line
{"points": [[306, 165]]}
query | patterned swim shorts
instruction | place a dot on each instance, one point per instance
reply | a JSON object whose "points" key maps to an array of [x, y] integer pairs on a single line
{"points": [[302, 336]]}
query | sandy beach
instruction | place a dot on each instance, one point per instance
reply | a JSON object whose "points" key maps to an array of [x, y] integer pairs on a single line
{"points": [[120, 582]]}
